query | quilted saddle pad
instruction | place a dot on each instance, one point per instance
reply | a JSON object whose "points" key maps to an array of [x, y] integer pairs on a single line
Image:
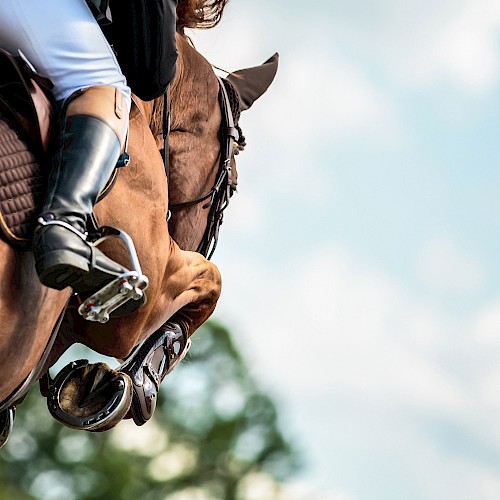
{"points": [[22, 186]]}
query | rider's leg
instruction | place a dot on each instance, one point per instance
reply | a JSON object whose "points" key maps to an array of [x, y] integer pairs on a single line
{"points": [[64, 43], [93, 131]]}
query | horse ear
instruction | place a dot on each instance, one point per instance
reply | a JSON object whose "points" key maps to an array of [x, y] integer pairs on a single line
{"points": [[251, 83]]}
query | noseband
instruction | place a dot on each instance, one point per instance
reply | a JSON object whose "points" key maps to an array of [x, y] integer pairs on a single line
{"points": [[224, 187]]}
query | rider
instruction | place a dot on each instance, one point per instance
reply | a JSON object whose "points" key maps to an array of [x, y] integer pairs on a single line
{"points": [[64, 42]]}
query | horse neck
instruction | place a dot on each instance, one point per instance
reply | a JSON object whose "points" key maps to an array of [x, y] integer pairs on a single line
{"points": [[195, 113], [178, 88], [194, 140]]}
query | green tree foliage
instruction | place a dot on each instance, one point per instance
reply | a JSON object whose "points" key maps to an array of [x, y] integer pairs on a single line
{"points": [[213, 435]]}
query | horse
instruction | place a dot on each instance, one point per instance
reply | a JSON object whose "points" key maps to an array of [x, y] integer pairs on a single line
{"points": [[38, 324]]}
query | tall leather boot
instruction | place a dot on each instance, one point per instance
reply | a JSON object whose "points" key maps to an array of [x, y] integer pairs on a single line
{"points": [[89, 146]]}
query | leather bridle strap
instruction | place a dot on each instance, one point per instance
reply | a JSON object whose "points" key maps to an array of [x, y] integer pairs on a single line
{"points": [[223, 188], [167, 103]]}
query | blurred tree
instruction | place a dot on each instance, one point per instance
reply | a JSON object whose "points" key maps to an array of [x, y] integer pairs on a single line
{"points": [[214, 436]]}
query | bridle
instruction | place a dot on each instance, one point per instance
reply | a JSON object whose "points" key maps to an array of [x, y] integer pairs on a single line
{"points": [[224, 187]]}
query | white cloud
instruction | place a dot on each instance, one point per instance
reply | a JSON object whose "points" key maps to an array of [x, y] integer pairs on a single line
{"points": [[486, 328], [317, 95], [445, 267], [366, 368], [247, 212], [316, 103], [421, 43], [489, 483], [346, 326], [429, 42], [234, 43], [467, 48]]}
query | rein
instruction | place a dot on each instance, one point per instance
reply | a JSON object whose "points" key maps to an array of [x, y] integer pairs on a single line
{"points": [[218, 197]]}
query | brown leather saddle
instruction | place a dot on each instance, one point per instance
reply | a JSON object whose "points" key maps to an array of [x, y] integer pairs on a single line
{"points": [[26, 115]]}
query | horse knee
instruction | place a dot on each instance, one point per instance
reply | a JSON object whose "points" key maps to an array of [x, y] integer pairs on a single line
{"points": [[204, 290], [216, 284], [210, 282]]}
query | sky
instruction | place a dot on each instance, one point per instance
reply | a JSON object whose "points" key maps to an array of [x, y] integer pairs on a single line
{"points": [[360, 258]]}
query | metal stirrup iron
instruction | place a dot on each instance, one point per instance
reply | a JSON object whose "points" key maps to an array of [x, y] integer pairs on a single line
{"points": [[127, 286]]}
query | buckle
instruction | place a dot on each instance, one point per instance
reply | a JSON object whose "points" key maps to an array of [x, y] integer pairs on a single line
{"points": [[123, 160]]}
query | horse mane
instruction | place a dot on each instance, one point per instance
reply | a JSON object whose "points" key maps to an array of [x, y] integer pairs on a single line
{"points": [[201, 14]]}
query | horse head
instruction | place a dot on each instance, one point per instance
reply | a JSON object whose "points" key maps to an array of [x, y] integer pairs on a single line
{"points": [[194, 188]]}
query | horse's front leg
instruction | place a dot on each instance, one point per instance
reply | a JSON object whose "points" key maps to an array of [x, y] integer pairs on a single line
{"points": [[190, 291], [156, 337]]}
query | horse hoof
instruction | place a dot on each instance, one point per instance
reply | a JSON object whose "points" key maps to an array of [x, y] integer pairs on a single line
{"points": [[90, 397], [6, 424]]}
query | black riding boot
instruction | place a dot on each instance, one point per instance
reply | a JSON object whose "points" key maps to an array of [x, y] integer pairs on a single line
{"points": [[87, 154]]}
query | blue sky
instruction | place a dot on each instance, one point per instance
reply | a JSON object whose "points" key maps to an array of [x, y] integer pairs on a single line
{"points": [[360, 258]]}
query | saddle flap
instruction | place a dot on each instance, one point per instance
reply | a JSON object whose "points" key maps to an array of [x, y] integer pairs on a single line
{"points": [[25, 113], [26, 99]]}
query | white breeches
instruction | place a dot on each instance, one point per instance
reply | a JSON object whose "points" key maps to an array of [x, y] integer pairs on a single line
{"points": [[63, 42]]}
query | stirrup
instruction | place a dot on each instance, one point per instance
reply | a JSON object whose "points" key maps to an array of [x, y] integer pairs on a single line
{"points": [[6, 424], [127, 286]]}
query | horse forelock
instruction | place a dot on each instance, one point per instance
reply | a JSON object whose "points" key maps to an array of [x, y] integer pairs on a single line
{"points": [[202, 14]]}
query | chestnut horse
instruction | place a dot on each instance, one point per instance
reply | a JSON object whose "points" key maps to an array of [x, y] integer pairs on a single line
{"points": [[183, 284]]}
